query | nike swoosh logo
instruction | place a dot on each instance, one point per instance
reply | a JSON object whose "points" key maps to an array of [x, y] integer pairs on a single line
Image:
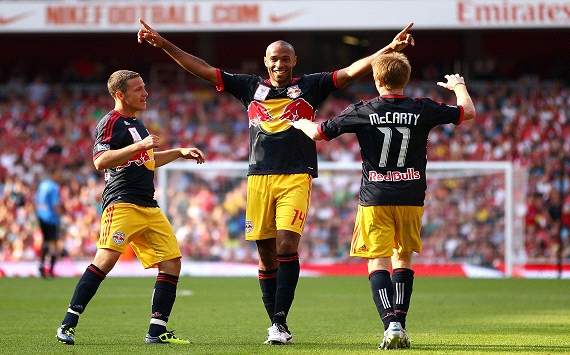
{"points": [[285, 17], [9, 20]]}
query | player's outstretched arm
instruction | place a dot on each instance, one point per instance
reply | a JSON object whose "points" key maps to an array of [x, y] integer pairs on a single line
{"points": [[166, 156], [193, 64], [456, 83], [362, 66], [116, 157], [310, 128]]}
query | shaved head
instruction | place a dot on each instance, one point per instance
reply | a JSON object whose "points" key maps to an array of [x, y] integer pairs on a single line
{"points": [[280, 59], [279, 44]]}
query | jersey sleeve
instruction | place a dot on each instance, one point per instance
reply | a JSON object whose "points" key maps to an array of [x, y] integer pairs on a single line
{"points": [[346, 122], [439, 113], [107, 137], [323, 84], [242, 86]]}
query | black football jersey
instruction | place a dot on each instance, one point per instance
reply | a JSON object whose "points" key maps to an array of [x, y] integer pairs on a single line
{"points": [[392, 132], [275, 147], [133, 181]]}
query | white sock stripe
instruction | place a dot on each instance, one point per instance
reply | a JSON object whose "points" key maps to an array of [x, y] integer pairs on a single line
{"points": [[69, 310], [399, 293], [384, 298], [396, 293], [158, 321], [388, 301]]}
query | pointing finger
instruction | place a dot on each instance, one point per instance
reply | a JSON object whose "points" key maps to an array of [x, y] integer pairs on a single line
{"points": [[406, 29], [144, 24]]}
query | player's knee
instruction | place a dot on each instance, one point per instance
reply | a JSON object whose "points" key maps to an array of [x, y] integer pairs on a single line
{"points": [[268, 264], [105, 259], [402, 260], [287, 242], [171, 267], [379, 264]]}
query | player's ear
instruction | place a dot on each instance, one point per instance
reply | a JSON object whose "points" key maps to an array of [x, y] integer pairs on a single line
{"points": [[293, 61], [266, 62], [119, 95]]}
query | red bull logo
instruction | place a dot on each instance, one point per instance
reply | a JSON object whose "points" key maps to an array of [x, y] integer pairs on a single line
{"points": [[298, 109], [138, 159], [257, 113], [279, 109], [410, 174]]}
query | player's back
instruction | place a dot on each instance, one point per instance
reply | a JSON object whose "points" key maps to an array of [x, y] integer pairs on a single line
{"points": [[392, 132]]}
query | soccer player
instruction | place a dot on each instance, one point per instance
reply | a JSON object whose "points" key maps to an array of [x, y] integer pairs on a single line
{"points": [[125, 150], [48, 211], [282, 160], [392, 131]]}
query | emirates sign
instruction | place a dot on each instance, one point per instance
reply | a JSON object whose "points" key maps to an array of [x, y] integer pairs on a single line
{"points": [[473, 12], [278, 15]]}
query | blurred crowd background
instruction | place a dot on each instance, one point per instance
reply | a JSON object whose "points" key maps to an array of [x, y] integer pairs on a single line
{"points": [[523, 120], [53, 93]]}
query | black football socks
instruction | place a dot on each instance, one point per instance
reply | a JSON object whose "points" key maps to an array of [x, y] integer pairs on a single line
{"points": [[163, 299], [268, 285], [84, 291], [402, 281], [287, 278], [382, 294]]}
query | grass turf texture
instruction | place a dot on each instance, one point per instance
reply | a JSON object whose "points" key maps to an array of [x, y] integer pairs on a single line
{"points": [[330, 316]]}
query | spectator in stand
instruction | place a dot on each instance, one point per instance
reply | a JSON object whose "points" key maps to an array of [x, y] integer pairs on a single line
{"points": [[48, 210]]}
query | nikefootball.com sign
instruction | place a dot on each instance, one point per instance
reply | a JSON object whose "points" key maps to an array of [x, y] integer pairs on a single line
{"points": [[262, 15]]}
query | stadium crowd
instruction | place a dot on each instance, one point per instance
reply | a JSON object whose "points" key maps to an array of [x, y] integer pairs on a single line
{"points": [[524, 121]]}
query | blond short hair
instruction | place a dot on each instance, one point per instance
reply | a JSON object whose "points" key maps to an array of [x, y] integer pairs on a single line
{"points": [[392, 70], [118, 81]]}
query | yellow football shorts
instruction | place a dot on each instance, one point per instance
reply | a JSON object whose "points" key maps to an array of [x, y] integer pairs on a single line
{"points": [[145, 228], [379, 230], [276, 202]]}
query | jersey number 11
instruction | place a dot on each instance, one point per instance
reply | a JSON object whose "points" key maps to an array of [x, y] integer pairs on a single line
{"points": [[387, 132]]}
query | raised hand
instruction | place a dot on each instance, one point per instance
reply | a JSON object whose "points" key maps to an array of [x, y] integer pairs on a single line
{"points": [[453, 81], [146, 33], [192, 153], [403, 38]]}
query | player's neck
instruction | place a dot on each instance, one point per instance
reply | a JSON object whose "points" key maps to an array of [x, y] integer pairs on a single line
{"points": [[125, 111], [387, 92], [276, 84]]}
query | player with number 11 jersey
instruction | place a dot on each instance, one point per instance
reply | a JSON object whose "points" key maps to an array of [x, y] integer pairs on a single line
{"points": [[392, 132]]}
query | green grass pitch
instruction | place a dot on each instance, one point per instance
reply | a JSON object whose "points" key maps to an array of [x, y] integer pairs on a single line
{"points": [[331, 315]]}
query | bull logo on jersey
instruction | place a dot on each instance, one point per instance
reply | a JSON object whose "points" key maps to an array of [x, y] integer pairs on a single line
{"points": [[293, 91], [276, 115], [145, 158], [118, 237], [248, 226]]}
